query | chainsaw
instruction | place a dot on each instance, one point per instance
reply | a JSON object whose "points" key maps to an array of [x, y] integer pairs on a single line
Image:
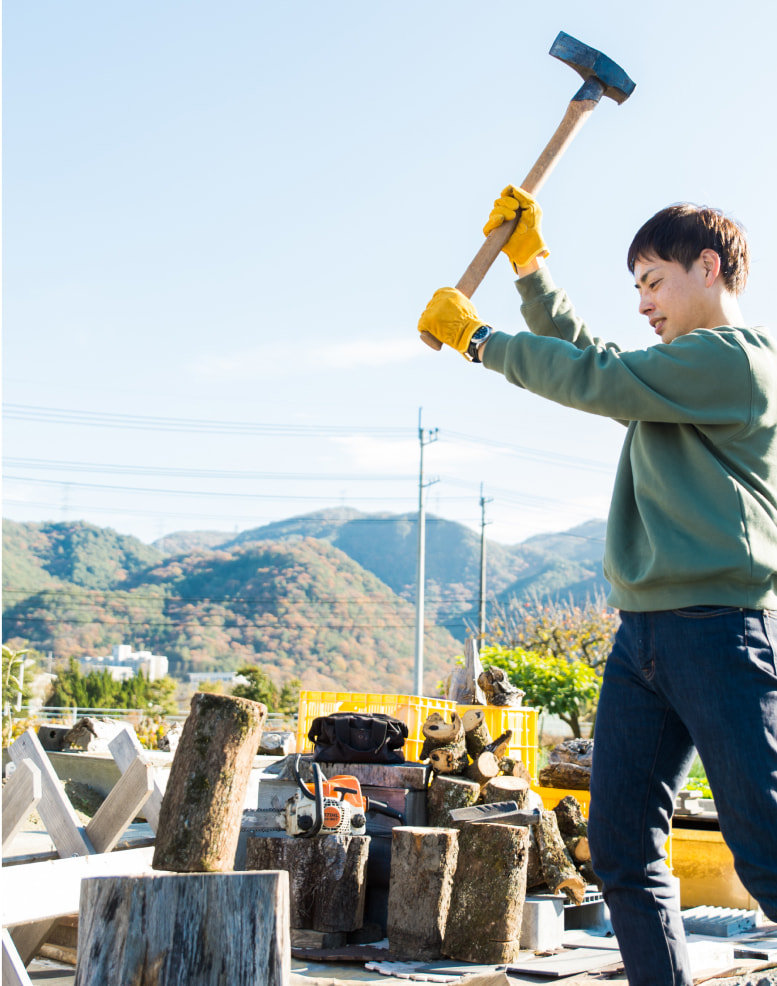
{"points": [[326, 807]]}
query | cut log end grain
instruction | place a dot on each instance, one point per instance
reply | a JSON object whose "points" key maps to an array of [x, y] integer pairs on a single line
{"points": [[483, 768], [501, 788]]}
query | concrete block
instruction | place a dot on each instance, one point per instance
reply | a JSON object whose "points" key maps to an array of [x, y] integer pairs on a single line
{"points": [[542, 925], [592, 914]]}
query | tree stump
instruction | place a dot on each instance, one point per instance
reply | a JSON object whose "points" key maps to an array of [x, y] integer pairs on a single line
{"points": [[507, 789], [199, 821], [557, 865], [327, 877], [423, 863], [447, 792], [184, 929], [489, 890]]}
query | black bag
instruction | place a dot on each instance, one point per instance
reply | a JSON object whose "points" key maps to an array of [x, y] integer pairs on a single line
{"points": [[358, 737]]}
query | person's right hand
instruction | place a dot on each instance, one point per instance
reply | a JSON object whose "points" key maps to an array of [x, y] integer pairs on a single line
{"points": [[526, 243]]}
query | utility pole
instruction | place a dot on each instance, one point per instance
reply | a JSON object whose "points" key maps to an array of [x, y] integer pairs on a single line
{"points": [[418, 671], [482, 601]]}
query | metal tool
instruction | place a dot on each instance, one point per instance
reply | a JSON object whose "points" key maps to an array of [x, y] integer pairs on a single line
{"points": [[602, 77], [502, 811], [326, 807]]}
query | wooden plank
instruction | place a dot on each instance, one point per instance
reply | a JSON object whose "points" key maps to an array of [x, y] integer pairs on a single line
{"points": [[57, 813], [123, 803], [44, 891], [14, 972], [125, 748], [22, 792]]}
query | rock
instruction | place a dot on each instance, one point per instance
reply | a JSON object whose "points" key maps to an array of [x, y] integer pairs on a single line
{"points": [[278, 744], [92, 734]]}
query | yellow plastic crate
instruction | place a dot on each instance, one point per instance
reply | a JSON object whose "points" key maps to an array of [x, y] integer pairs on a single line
{"points": [[411, 709], [522, 721], [552, 795]]}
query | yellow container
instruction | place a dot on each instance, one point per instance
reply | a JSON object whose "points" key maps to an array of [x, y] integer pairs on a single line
{"points": [[522, 721], [705, 866], [552, 795], [411, 709]]}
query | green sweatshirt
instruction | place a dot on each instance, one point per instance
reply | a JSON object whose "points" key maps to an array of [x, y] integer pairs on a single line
{"points": [[693, 517]]}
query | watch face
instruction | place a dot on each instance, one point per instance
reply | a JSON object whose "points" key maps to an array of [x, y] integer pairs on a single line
{"points": [[481, 333]]}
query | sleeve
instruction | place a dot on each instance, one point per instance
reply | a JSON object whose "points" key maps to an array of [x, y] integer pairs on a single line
{"points": [[703, 378]]}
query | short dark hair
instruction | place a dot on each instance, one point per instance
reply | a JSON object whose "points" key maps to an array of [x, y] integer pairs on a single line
{"points": [[680, 233]]}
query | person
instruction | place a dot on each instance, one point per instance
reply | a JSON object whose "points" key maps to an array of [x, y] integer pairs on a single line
{"points": [[690, 553]]}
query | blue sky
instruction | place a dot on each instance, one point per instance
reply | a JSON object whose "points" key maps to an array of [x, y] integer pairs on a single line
{"points": [[222, 221]]}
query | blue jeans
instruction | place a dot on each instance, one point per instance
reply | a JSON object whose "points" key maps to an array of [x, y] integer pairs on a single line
{"points": [[703, 678]]}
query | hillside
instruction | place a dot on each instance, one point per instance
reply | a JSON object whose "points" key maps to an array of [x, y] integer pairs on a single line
{"points": [[300, 609]]}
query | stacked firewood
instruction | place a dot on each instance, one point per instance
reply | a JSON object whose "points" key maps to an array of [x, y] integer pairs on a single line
{"points": [[469, 767]]}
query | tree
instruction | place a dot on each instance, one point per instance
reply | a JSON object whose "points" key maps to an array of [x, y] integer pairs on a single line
{"points": [[15, 684], [561, 687], [259, 688], [288, 703], [555, 629]]}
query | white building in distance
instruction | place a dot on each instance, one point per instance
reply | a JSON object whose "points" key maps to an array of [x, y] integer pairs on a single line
{"points": [[124, 663]]}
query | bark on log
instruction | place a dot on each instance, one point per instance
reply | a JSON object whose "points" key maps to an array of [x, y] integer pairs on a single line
{"points": [[447, 792], [476, 733], [188, 929], [423, 863], [534, 875], [327, 877], [450, 759], [489, 890], [498, 689], [514, 768], [439, 733], [570, 817], [500, 744], [463, 685], [483, 768], [565, 775], [507, 789], [557, 866], [579, 751], [199, 821]]}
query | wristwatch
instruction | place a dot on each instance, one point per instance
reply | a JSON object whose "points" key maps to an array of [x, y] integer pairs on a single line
{"points": [[476, 341]]}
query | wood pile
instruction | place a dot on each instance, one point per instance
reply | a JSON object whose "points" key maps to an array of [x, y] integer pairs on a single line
{"points": [[569, 766]]}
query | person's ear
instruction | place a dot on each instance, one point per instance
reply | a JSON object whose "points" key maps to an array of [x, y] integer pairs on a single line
{"points": [[711, 266]]}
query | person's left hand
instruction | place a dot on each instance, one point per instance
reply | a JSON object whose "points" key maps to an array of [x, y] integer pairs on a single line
{"points": [[451, 318]]}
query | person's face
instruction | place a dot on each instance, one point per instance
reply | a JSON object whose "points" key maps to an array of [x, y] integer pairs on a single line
{"points": [[674, 300]]}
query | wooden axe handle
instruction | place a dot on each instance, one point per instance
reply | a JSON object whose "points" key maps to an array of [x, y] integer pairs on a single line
{"points": [[576, 115]]}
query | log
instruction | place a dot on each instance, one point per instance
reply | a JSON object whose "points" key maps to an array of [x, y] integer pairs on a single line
{"points": [[462, 683], [507, 789], [498, 688], [586, 871], [423, 864], [565, 775], [557, 866], [579, 751], [447, 792], [570, 817], [534, 875], [327, 877], [439, 733], [185, 929], [514, 768], [483, 768], [489, 890], [450, 759], [476, 733], [500, 744], [199, 822]]}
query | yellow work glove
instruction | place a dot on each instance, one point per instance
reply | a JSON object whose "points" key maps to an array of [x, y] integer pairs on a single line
{"points": [[451, 318], [526, 243]]}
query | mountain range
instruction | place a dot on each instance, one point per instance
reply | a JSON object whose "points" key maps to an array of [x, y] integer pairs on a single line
{"points": [[327, 597]]}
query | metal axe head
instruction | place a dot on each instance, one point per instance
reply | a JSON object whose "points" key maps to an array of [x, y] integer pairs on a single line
{"points": [[602, 77]]}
